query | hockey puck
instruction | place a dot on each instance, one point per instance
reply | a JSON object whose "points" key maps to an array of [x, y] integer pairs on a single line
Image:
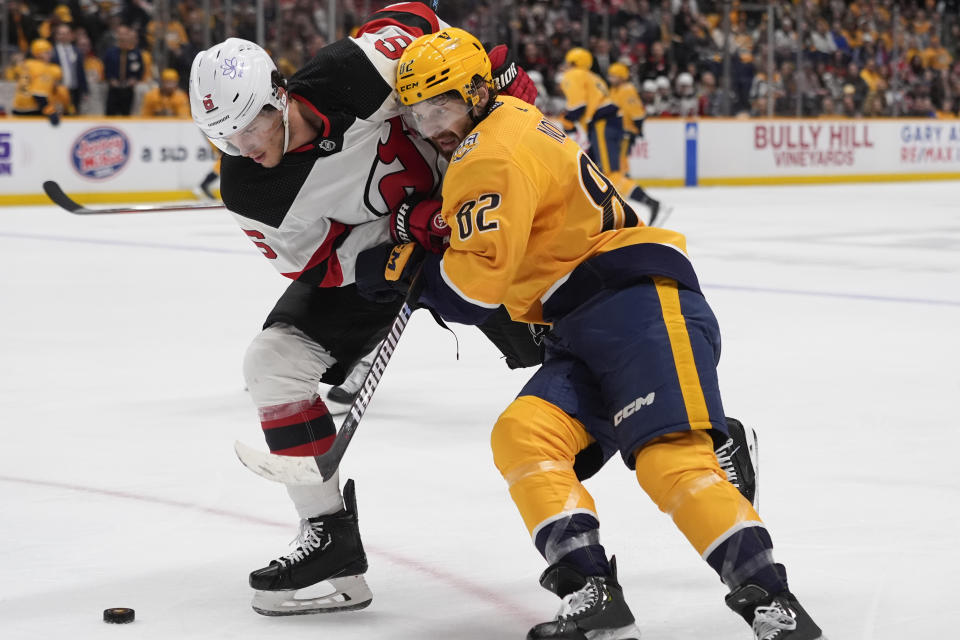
{"points": [[118, 615]]}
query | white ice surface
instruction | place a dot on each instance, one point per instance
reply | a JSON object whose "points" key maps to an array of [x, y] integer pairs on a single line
{"points": [[121, 395]]}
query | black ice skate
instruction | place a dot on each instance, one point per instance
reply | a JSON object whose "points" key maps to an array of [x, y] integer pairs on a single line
{"points": [[325, 572], [737, 455], [340, 398], [658, 211], [777, 617], [593, 607]]}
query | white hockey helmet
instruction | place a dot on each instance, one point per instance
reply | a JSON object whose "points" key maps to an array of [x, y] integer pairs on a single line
{"points": [[230, 83]]}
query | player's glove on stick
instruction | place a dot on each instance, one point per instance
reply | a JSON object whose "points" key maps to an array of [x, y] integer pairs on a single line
{"points": [[418, 220], [509, 77], [384, 273]]}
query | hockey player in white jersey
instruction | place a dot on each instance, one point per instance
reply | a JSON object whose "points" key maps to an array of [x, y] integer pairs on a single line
{"points": [[316, 169]]}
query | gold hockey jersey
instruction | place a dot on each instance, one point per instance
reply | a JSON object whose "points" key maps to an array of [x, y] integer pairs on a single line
{"points": [[526, 207], [588, 97], [625, 96]]}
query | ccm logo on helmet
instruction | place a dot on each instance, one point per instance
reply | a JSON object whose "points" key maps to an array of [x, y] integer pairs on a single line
{"points": [[208, 103], [632, 407]]}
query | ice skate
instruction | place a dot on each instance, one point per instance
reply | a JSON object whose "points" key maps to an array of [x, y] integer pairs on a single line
{"points": [[659, 212], [204, 190], [340, 398], [593, 607], [738, 457], [325, 572], [777, 617]]}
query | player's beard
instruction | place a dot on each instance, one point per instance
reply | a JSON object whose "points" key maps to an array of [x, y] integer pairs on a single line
{"points": [[448, 140], [446, 143]]}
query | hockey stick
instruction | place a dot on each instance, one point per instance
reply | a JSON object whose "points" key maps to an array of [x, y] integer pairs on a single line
{"points": [[318, 469], [62, 200]]}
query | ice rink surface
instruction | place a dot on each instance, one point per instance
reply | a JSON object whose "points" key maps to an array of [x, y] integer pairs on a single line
{"points": [[121, 395]]}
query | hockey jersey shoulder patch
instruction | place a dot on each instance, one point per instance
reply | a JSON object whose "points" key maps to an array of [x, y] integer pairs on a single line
{"points": [[465, 147]]}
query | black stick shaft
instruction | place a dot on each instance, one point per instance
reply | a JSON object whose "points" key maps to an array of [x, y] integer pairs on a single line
{"points": [[329, 461], [62, 200]]}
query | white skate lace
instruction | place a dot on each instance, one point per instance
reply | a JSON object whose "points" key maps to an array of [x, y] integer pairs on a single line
{"points": [[308, 540], [725, 458], [769, 622], [573, 604]]}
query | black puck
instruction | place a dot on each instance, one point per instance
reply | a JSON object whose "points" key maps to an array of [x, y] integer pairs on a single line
{"points": [[118, 615]]}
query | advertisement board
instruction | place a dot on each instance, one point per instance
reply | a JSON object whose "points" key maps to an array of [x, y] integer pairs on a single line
{"points": [[132, 159], [111, 158]]}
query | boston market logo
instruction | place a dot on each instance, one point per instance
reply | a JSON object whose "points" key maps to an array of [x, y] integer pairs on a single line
{"points": [[100, 153]]}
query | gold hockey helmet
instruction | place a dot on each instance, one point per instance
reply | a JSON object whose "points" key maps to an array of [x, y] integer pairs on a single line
{"points": [[39, 47], [618, 70], [447, 60], [580, 58]]}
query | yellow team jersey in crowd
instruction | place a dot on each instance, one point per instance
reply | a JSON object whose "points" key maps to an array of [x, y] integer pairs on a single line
{"points": [[586, 91], [35, 78], [526, 206], [156, 105], [631, 107]]}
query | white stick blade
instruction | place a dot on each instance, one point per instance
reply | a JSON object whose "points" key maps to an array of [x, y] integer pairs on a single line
{"points": [[284, 469]]}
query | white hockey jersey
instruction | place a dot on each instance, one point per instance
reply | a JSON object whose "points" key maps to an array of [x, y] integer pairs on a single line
{"points": [[328, 200]]}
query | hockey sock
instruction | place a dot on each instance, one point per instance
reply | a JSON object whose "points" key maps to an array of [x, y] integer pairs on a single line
{"points": [[745, 556], [574, 539], [302, 428]]}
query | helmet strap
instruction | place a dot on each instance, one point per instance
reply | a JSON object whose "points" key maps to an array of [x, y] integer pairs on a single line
{"points": [[286, 126]]}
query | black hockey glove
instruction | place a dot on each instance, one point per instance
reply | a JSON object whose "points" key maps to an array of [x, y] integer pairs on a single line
{"points": [[384, 273]]}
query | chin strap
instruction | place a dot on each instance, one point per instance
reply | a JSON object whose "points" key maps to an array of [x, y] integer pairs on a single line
{"points": [[286, 125]]}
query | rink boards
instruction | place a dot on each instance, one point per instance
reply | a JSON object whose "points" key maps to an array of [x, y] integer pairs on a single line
{"points": [[131, 159]]}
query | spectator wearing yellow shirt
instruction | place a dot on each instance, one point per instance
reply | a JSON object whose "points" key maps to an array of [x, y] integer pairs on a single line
{"points": [[871, 76], [61, 15], [167, 100], [936, 55], [36, 79], [175, 36]]}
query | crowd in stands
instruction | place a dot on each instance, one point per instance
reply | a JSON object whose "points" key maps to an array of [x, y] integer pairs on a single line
{"points": [[854, 58]]}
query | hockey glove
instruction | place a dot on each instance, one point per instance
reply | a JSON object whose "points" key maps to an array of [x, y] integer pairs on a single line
{"points": [[419, 221], [384, 273], [508, 77]]}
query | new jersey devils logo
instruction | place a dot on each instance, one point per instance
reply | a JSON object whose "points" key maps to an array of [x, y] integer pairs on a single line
{"points": [[398, 171], [208, 103]]}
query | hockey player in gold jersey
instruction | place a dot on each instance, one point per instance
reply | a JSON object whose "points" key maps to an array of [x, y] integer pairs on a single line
{"points": [[38, 90], [633, 113], [631, 355], [591, 105]]}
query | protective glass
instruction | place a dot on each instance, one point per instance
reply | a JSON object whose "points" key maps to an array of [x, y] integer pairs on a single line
{"points": [[253, 137], [436, 115]]}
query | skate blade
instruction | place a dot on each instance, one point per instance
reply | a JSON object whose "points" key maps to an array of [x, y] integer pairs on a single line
{"points": [[753, 447], [629, 632], [344, 594]]}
